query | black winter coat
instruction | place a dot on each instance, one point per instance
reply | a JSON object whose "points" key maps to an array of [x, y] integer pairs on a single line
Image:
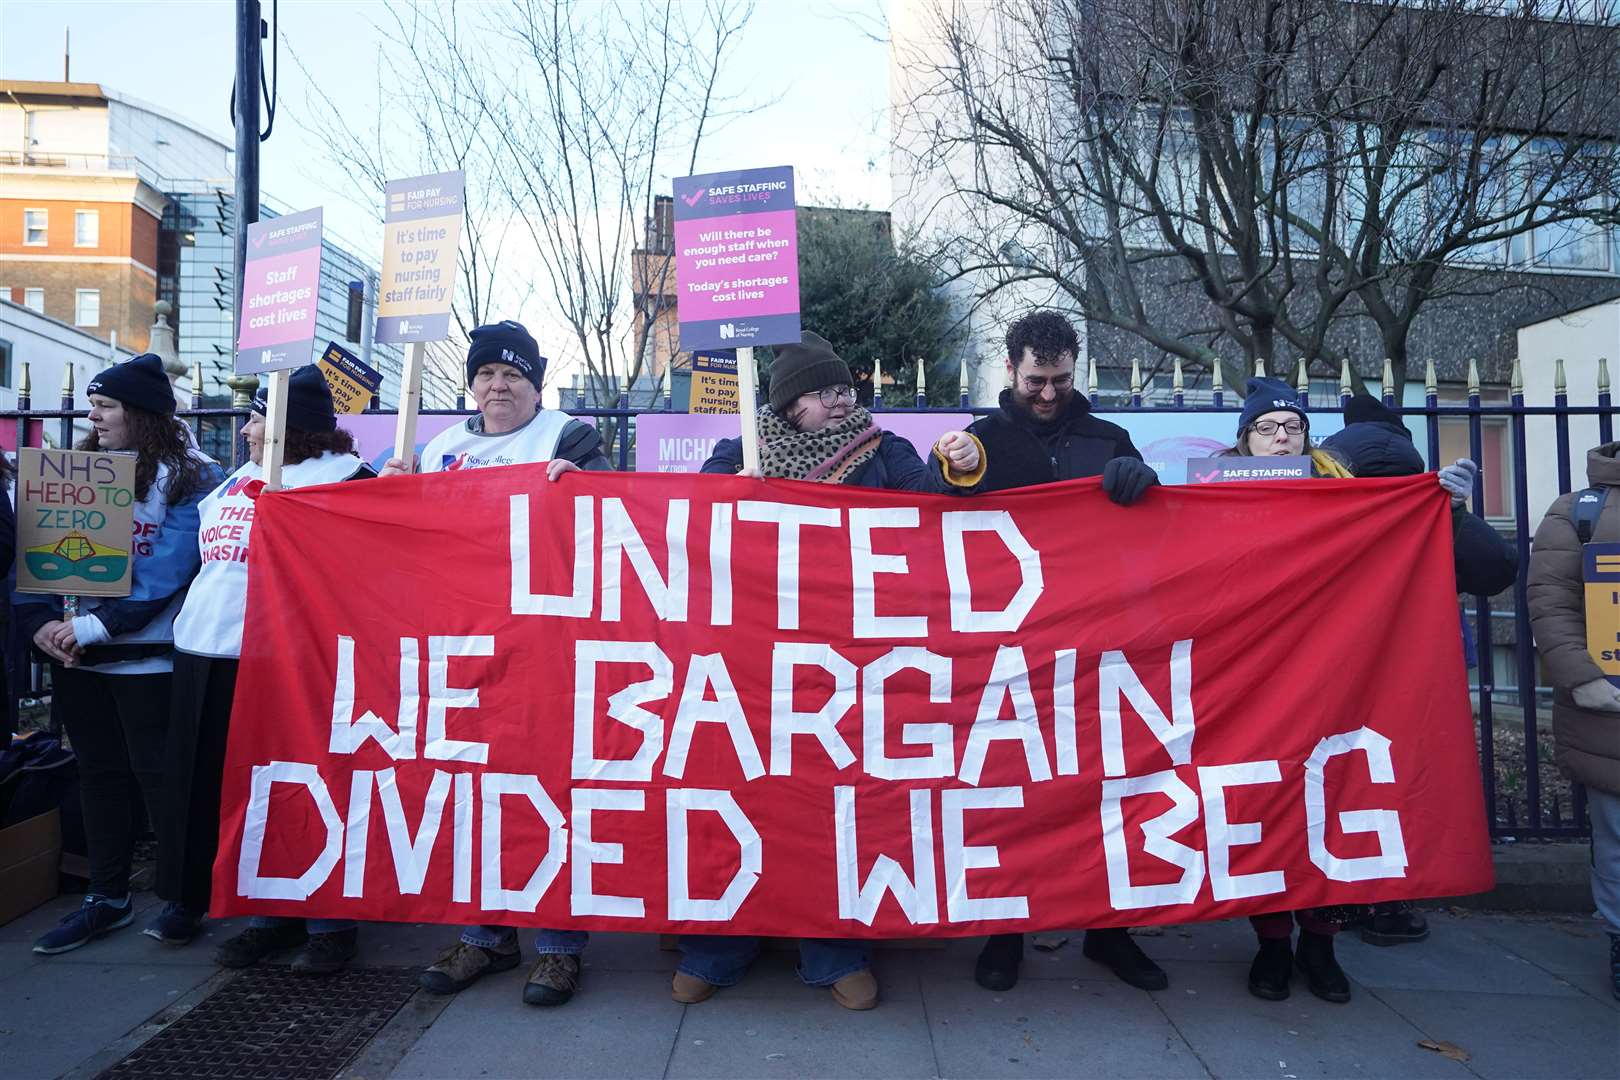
{"points": [[1022, 451], [895, 466]]}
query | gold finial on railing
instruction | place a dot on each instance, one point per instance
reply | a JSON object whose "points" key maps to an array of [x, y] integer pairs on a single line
{"points": [[67, 380], [1516, 379], [25, 385], [1259, 367], [1473, 376], [1215, 382], [1136, 376], [1431, 378], [922, 379], [1176, 383], [963, 386], [197, 379], [1091, 377], [1603, 374], [1560, 385], [242, 390], [1302, 379], [1390, 389], [1345, 384], [877, 375]]}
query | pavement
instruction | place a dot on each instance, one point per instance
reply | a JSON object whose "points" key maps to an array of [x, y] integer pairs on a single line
{"points": [[1516, 996]]}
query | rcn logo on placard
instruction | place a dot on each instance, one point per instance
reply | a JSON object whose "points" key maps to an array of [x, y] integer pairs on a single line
{"points": [[728, 330]]}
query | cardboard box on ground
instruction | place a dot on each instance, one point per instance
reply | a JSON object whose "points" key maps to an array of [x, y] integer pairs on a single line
{"points": [[30, 860]]}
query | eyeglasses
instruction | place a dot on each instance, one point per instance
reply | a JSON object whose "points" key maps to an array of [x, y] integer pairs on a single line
{"points": [[1037, 384], [1268, 428], [832, 395]]}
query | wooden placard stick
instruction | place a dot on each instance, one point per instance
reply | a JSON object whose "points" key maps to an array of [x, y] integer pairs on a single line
{"points": [[748, 407], [410, 403], [275, 428]]}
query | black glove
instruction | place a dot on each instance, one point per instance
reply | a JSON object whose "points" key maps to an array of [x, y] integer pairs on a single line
{"points": [[1125, 478]]}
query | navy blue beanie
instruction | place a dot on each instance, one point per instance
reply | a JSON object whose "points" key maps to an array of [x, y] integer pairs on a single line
{"points": [[309, 402], [1374, 442], [1268, 395], [140, 382], [505, 342]]}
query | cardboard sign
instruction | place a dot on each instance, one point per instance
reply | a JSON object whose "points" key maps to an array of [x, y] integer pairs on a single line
{"points": [[75, 521], [714, 382], [737, 259], [351, 381], [281, 286], [682, 442], [421, 235], [1219, 470], [1600, 569]]}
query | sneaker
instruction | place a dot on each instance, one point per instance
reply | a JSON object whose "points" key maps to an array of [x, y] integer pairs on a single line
{"points": [[176, 924], [553, 980], [461, 965], [1114, 949], [857, 990], [96, 916], [997, 966], [324, 954], [689, 989], [1395, 923], [1272, 967], [257, 942], [1614, 963], [1315, 958]]}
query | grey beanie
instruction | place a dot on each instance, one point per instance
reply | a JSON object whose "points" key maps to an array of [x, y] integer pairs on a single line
{"points": [[805, 367]]}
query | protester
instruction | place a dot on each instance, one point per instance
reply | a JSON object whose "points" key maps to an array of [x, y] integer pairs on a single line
{"points": [[1273, 423], [112, 663], [208, 643], [1586, 703], [1374, 442], [1045, 432], [813, 430], [505, 371]]}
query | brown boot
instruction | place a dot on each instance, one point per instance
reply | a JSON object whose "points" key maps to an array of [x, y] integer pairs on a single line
{"points": [[689, 989], [857, 990]]}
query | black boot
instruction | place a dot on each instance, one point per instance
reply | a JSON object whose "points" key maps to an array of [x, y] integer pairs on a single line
{"points": [[1396, 923], [328, 953], [257, 942], [1322, 971], [1614, 963], [1273, 966], [1114, 949], [997, 968]]}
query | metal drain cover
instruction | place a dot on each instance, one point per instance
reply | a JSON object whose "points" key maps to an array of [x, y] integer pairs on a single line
{"points": [[270, 1023]]}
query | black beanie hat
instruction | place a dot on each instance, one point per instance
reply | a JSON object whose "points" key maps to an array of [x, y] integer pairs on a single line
{"points": [[1374, 442], [309, 402], [1268, 395], [140, 382], [809, 365], [1366, 409], [505, 342]]}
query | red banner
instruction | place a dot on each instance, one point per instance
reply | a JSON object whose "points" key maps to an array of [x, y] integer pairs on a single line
{"points": [[689, 703]]}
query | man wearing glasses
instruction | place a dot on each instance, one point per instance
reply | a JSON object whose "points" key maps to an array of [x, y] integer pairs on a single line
{"points": [[1044, 433]]}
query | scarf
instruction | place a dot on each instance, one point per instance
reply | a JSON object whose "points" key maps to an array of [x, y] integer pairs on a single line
{"points": [[829, 456]]}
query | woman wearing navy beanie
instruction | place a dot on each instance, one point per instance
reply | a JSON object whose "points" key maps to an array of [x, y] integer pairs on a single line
{"points": [[112, 663]]}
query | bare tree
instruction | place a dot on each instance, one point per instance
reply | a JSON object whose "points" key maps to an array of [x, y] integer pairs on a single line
{"points": [[1298, 169]]}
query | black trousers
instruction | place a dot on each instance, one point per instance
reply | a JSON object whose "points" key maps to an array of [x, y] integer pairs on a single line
{"points": [[117, 726], [188, 827]]}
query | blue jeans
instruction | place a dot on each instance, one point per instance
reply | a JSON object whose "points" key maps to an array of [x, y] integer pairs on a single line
{"points": [[546, 942], [1604, 808], [314, 926], [720, 960]]}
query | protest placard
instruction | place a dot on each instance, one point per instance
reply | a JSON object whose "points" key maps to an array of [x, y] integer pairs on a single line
{"points": [[281, 288], [353, 383], [682, 442], [714, 382], [75, 521], [1221, 470], [1600, 569]]}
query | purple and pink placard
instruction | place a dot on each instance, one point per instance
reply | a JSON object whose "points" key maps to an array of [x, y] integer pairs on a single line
{"points": [[682, 442], [281, 286], [737, 259]]}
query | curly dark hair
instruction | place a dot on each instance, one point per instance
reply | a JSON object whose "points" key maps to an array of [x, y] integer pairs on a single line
{"points": [[1049, 334], [157, 438], [303, 445]]}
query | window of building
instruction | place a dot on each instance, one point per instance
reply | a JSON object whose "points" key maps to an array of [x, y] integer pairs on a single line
{"points": [[35, 225], [86, 228], [1495, 444], [87, 307], [34, 299], [5, 363]]}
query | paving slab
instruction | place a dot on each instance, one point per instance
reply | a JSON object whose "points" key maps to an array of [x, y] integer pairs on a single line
{"points": [[1575, 948], [1455, 957], [1529, 1036]]}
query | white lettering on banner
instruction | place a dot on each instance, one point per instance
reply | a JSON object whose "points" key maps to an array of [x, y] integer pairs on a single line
{"points": [[788, 518], [1222, 835], [1156, 841], [590, 852], [1390, 862], [356, 828], [720, 564], [941, 761], [916, 895], [960, 858], [442, 697], [1063, 727], [751, 855], [786, 721], [1009, 677], [575, 604], [725, 707], [495, 896], [624, 706], [412, 855], [956, 524], [1116, 678], [620, 540], [865, 566], [462, 849], [249, 882], [349, 734]]}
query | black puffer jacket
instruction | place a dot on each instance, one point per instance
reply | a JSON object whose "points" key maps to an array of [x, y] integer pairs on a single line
{"points": [[1022, 451]]}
